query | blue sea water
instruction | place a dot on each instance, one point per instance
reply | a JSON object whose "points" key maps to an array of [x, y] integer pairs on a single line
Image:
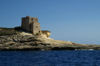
{"points": [[50, 58]]}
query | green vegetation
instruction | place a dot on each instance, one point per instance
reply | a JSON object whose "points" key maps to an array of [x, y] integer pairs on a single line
{"points": [[37, 34]]}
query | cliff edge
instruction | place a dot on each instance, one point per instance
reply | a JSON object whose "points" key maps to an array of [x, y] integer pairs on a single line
{"points": [[12, 39]]}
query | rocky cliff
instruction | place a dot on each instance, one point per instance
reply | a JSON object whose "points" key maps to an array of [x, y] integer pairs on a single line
{"points": [[21, 40]]}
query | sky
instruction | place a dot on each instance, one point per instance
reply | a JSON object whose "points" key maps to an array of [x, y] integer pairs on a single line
{"points": [[69, 20]]}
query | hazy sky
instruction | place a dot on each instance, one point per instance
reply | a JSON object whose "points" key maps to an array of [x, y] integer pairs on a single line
{"points": [[69, 20]]}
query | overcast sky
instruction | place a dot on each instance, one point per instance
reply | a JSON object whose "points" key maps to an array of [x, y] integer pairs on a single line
{"points": [[69, 20]]}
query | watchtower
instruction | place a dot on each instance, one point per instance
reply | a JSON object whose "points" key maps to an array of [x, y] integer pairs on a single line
{"points": [[31, 24]]}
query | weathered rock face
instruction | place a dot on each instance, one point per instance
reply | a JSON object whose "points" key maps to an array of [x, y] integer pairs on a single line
{"points": [[15, 38], [30, 42], [46, 33]]}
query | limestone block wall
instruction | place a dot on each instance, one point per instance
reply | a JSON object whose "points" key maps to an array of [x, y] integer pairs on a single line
{"points": [[36, 27], [31, 24], [25, 24], [33, 19]]}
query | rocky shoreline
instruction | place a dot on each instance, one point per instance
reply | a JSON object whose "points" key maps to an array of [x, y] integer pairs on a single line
{"points": [[31, 42], [18, 40]]}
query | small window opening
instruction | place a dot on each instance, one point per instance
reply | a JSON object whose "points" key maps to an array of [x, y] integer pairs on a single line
{"points": [[32, 19], [36, 26]]}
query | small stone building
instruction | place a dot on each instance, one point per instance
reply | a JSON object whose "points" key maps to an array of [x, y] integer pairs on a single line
{"points": [[31, 24]]}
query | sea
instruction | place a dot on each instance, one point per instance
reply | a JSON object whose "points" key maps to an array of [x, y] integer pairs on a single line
{"points": [[50, 58]]}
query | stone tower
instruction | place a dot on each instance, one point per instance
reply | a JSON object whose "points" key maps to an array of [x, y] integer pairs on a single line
{"points": [[31, 24]]}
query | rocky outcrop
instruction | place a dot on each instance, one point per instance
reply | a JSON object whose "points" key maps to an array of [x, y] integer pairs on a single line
{"points": [[17, 39], [26, 41]]}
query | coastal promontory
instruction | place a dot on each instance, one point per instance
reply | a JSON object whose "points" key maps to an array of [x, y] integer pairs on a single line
{"points": [[29, 36]]}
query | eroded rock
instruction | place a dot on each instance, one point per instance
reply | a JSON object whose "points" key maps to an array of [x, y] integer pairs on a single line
{"points": [[30, 42]]}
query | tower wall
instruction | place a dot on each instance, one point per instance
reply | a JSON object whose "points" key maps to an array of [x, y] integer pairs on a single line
{"points": [[31, 24], [25, 24], [36, 28]]}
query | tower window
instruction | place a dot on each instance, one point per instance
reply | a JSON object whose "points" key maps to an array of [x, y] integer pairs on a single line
{"points": [[36, 26], [32, 19]]}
